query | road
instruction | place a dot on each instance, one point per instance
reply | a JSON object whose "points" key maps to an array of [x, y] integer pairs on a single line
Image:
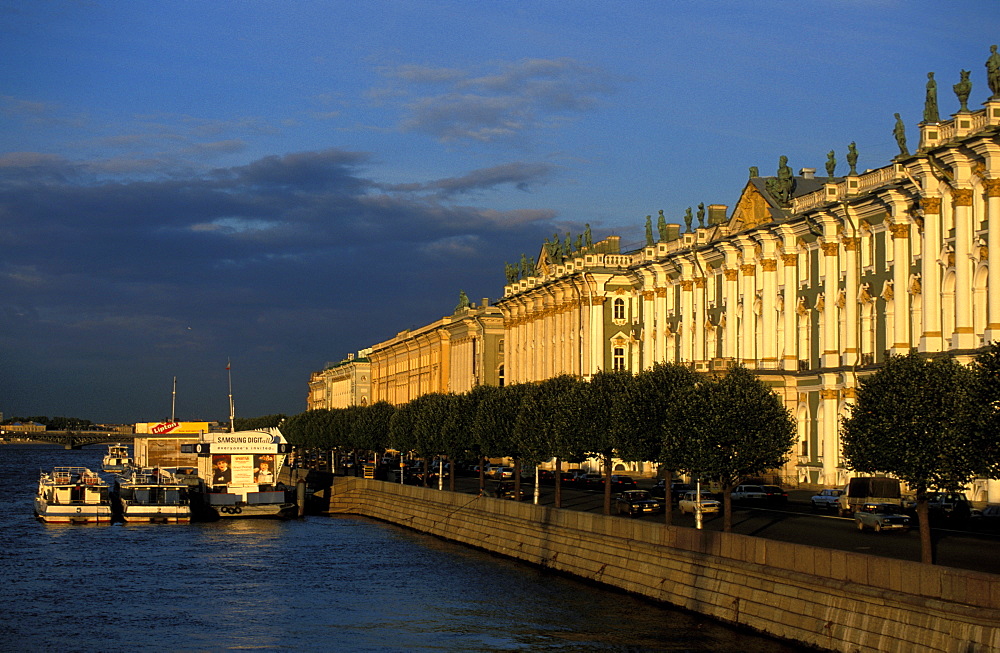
{"points": [[796, 522]]}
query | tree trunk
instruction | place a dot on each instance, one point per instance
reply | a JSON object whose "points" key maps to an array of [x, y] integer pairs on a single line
{"points": [[482, 475], [427, 470], [727, 508], [924, 524], [558, 500], [451, 474], [607, 484], [517, 479], [668, 498]]}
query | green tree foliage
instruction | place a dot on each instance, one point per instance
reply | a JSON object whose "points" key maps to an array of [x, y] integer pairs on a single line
{"points": [[608, 423], [921, 421], [655, 407], [255, 423], [370, 431], [987, 369], [737, 427]]}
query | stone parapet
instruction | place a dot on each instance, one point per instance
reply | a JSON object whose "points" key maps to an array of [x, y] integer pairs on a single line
{"points": [[830, 599]]}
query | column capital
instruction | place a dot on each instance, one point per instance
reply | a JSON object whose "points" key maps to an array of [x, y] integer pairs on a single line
{"points": [[900, 230], [992, 187], [962, 196], [790, 259], [748, 270], [851, 243], [731, 274], [769, 264], [931, 205], [831, 249]]}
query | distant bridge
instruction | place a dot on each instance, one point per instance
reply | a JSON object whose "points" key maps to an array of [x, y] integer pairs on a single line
{"points": [[71, 439]]}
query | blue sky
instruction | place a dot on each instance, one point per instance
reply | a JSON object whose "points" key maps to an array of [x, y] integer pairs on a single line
{"points": [[282, 183]]}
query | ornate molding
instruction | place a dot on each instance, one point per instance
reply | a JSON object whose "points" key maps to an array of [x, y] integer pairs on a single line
{"points": [[699, 282], [731, 275], [992, 187], [932, 205], [769, 264], [686, 284], [900, 231], [962, 196], [831, 249], [828, 394], [748, 270], [661, 291], [648, 295], [790, 259]]}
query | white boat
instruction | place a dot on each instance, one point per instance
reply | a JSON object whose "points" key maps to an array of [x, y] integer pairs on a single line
{"points": [[117, 459], [152, 496], [72, 495], [238, 474]]}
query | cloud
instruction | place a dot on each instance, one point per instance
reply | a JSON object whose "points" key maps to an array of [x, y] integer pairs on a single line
{"points": [[520, 175], [512, 101]]}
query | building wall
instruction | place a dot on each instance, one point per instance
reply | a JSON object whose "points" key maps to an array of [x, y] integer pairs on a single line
{"points": [[347, 383], [813, 296]]}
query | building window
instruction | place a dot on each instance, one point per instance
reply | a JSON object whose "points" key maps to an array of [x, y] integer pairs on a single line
{"points": [[618, 359], [619, 309]]}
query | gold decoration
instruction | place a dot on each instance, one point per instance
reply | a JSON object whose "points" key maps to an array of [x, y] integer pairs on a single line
{"points": [[648, 295], [852, 244], [790, 259], [962, 196], [686, 284], [828, 394], [900, 231], [769, 264], [932, 205], [748, 270], [661, 291], [731, 275], [831, 249], [992, 187], [699, 282]]}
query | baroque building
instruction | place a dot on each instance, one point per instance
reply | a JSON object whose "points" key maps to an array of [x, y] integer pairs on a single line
{"points": [[343, 384], [810, 281], [453, 354]]}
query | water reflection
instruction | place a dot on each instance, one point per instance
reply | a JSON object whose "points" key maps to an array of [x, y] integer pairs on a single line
{"points": [[319, 584]]}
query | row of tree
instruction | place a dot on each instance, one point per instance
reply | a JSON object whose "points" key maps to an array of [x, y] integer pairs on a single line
{"points": [[724, 429], [930, 422]]}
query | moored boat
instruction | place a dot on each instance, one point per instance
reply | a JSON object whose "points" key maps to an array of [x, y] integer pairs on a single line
{"points": [[237, 476], [72, 495], [117, 459], [152, 496]]}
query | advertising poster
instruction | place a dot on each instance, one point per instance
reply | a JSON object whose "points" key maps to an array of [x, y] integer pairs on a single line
{"points": [[242, 466], [263, 469], [222, 472]]}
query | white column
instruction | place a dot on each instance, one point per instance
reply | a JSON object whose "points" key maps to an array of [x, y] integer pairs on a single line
{"points": [[831, 328], [748, 339], [790, 357], [900, 282]]}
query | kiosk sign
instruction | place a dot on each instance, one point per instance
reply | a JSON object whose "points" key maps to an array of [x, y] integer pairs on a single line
{"points": [[245, 443]]}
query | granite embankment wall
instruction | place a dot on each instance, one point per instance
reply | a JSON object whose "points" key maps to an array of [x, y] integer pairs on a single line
{"points": [[830, 599]]}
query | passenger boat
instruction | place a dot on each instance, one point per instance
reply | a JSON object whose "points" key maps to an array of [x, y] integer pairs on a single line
{"points": [[72, 495], [237, 475], [117, 458], [152, 496]]}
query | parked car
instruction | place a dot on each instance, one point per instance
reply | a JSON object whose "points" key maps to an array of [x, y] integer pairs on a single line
{"points": [[621, 483], [826, 499], [499, 472], [505, 490], [988, 518], [774, 494], [748, 493], [689, 503], [881, 517], [677, 490], [944, 506], [589, 481], [636, 502]]}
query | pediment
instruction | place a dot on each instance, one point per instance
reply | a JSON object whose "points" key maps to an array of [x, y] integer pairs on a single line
{"points": [[751, 210]]}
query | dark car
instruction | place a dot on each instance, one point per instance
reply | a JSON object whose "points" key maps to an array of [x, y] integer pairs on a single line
{"points": [[621, 483], [505, 490], [676, 490], [774, 494], [636, 502], [881, 517]]}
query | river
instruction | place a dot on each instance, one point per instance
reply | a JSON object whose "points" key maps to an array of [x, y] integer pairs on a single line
{"points": [[316, 584]]}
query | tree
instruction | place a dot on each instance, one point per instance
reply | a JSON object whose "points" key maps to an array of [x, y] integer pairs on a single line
{"points": [[737, 428], [370, 432], [608, 421], [656, 410], [920, 420]]}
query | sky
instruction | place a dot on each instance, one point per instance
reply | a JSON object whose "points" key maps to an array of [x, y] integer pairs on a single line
{"points": [[277, 184]]}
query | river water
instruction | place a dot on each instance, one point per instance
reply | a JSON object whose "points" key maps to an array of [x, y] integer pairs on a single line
{"points": [[316, 584]]}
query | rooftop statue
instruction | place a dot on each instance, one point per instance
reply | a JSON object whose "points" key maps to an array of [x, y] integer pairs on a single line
{"points": [[578, 245], [831, 164], [852, 158], [649, 231], [588, 239], [930, 102], [701, 215], [510, 271], [463, 301], [661, 227], [688, 218], [780, 187], [754, 172], [899, 131], [993, 72], [963, 89]]}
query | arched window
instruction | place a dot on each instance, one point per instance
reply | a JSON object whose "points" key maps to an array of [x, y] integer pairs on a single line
{"points": [[618, 312]]}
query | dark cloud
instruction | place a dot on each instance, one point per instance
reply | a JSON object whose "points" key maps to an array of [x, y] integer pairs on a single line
{"points": [[113, 283], [517, 98]]}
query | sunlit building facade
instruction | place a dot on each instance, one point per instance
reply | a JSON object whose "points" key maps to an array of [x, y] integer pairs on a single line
{"points": [[343, 384], [812, 281]]}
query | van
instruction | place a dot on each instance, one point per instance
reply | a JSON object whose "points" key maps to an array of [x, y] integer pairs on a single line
{"points": [[870, 489]]}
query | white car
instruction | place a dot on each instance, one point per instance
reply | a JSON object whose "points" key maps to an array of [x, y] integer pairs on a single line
{"points": [[689, 503], [501, 473], [826, 499]]}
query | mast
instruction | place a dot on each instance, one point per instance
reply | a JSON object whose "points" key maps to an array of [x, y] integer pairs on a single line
{"points": [[232, 408], [173, 401]]}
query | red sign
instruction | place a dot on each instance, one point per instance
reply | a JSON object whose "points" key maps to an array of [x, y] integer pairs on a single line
{"points": [[164, 427]]}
